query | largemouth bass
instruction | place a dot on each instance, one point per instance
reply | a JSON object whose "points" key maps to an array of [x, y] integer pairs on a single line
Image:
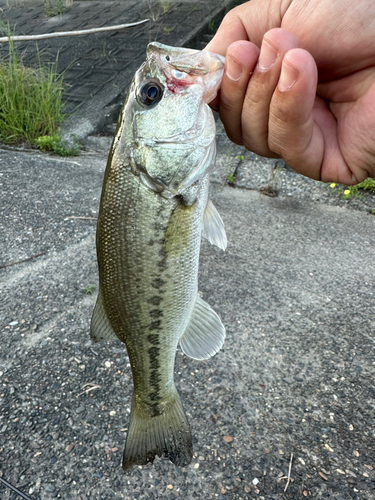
{"points": [[154, 209]]}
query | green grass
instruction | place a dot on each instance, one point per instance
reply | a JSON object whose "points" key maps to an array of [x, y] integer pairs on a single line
{"points": [[211, 27], [88, 290], [53, 7], [355, 191], [165, 6], [55, 144], [30, 101], [168, 30]]}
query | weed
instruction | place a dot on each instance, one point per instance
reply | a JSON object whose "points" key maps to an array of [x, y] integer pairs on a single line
{"points": [[230, 178], [30, 100], [240, 157], [155, 9], [89, 289], [372, 211], [194, 9], [368, 185], [55, 144], [165, 6], [53, 7], [168, 30], [354, 191], [210, 26]]}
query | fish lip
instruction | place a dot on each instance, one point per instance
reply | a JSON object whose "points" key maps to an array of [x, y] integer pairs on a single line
{"points": [[191, 61]]}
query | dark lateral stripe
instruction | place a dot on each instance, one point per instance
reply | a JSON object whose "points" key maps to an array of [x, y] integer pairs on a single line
{"points": [[157, 283], [162, 264], [156, 313], [155, 377], [155, 325], [155, 300], [153, 338]]}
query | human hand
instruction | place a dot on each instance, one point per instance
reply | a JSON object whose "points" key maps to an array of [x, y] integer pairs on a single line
{"points": [[308, 94]]}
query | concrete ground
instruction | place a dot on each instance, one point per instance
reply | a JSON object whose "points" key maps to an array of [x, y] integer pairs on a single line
{"points": [[291, 394]]}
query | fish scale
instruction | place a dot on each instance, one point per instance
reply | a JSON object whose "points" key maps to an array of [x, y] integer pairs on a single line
{"points": [[174, 283], [153, 210]]}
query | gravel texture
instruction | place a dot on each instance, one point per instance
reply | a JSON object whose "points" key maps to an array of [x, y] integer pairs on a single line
{"points": [[295, 289], [293, 387]]}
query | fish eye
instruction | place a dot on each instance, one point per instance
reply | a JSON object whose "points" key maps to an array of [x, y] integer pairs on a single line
{"points": [[150, 93]]}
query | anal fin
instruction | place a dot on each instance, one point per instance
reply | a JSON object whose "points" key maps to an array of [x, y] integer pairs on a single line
{"points": [[100, 328], [213, 226], [205, 333]]}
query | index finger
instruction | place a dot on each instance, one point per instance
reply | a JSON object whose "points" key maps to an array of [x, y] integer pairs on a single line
{"points": [[230, 30]]}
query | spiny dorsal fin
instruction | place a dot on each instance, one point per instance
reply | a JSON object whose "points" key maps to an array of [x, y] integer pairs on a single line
{"points": [[101, 328], [213, 226], [205, 333]]}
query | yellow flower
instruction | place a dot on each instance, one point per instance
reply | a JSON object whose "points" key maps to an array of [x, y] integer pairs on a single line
{"points": [[332, 185], [347, 191]]}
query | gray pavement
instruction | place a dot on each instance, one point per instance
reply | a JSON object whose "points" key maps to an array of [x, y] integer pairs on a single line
{"points": [[295, 290]]}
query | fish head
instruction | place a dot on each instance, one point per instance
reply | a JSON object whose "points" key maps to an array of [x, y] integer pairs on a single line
{"points": [[167, 129]]}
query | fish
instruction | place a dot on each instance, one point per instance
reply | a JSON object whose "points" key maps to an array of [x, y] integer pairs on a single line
{"points": [[154, 209]]}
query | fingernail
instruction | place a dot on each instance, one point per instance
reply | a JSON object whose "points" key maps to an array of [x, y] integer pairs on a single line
{"points": [[288, 77], [233, 70], [267, 56]]}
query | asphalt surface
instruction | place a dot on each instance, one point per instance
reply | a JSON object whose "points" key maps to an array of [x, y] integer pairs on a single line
{"points": [[292, 389]]}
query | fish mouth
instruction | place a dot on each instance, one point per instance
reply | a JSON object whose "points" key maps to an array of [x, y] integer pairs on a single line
{"points": [[183, 67], [190, 61]]}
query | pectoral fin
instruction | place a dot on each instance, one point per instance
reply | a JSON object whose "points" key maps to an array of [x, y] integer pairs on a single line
{"points": [[204, 335], [213, 226], [101, 328]]}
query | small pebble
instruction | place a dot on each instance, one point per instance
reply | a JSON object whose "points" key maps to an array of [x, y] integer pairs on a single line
{"points": [[255, 481], [170, 486], [112, 413], [228, 439], [107, 364], [69, 448]]}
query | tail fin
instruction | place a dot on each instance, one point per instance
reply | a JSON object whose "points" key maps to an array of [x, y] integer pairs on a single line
{"points": [[165, 433]]}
